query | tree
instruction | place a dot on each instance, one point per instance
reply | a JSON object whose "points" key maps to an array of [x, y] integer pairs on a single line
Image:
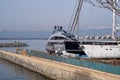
{"points": [[109, 4]]}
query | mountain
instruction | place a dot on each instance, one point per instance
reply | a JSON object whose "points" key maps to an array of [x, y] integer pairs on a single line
{"points": [[95, 32], [25, 34], [46, 34]]}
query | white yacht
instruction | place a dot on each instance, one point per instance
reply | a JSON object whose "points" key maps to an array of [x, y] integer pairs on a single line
{"points": [[102, 49], [56, 40], [66, 42], [58, 43], [109, 48]]}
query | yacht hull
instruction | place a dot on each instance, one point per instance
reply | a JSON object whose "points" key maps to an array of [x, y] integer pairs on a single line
{"points": [[102, 51], [73, 47], [52, 47]]}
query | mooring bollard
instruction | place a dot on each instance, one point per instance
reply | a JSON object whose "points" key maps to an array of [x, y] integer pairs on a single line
{"points": [[22, 51]]}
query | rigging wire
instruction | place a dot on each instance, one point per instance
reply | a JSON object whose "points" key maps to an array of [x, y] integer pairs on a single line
{"points": [[70, 23], [88, 20]]}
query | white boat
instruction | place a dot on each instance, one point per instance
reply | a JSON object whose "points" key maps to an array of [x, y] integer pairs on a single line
{"points": [[58, 43], [103, 48], [56, 40]]}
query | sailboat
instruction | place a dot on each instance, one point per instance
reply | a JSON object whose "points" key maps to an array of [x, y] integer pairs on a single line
{"points": [[103, 48]]}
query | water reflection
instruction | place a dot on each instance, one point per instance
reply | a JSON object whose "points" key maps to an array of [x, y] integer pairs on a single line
{"points": [[10, 71]]}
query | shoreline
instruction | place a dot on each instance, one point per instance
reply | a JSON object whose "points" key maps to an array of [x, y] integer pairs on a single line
{"points": [[23, 38]]}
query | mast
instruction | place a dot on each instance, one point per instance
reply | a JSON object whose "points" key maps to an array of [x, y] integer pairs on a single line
{"points": [[75, 22], [114, 20]]}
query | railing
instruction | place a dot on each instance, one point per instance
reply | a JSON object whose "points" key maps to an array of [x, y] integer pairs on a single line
{"points": [[118, 27]]}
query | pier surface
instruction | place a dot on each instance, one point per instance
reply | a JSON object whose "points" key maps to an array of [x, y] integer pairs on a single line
{"points": [[57, 70]]}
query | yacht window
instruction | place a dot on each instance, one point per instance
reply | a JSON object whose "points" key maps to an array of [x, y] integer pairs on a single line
{"points": [[112, 43], [57, 38], [106, 49], [110, 49]]}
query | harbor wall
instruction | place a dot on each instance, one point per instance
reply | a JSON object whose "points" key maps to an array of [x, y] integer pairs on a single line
{"points": [[57, 70]]}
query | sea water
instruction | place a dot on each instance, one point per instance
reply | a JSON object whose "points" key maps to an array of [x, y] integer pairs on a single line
{"points": [[10, 71]]}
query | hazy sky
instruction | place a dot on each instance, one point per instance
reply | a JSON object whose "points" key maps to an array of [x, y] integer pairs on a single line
{"points": [[22, 15]]}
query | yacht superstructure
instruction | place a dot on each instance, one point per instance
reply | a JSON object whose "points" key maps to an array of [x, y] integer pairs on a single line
{"points": [[56, 40]]}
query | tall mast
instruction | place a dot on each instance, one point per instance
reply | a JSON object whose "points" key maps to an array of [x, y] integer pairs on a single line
{"points": [[75, 22], [114, 20]]}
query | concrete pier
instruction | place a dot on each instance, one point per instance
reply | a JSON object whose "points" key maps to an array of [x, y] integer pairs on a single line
{"points": [[57, 70]]}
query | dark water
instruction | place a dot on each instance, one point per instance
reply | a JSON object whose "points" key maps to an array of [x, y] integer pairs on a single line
{"points": [[10, 71]]}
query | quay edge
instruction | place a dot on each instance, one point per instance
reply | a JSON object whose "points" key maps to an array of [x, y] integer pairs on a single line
{"points": [[57, 70]]}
